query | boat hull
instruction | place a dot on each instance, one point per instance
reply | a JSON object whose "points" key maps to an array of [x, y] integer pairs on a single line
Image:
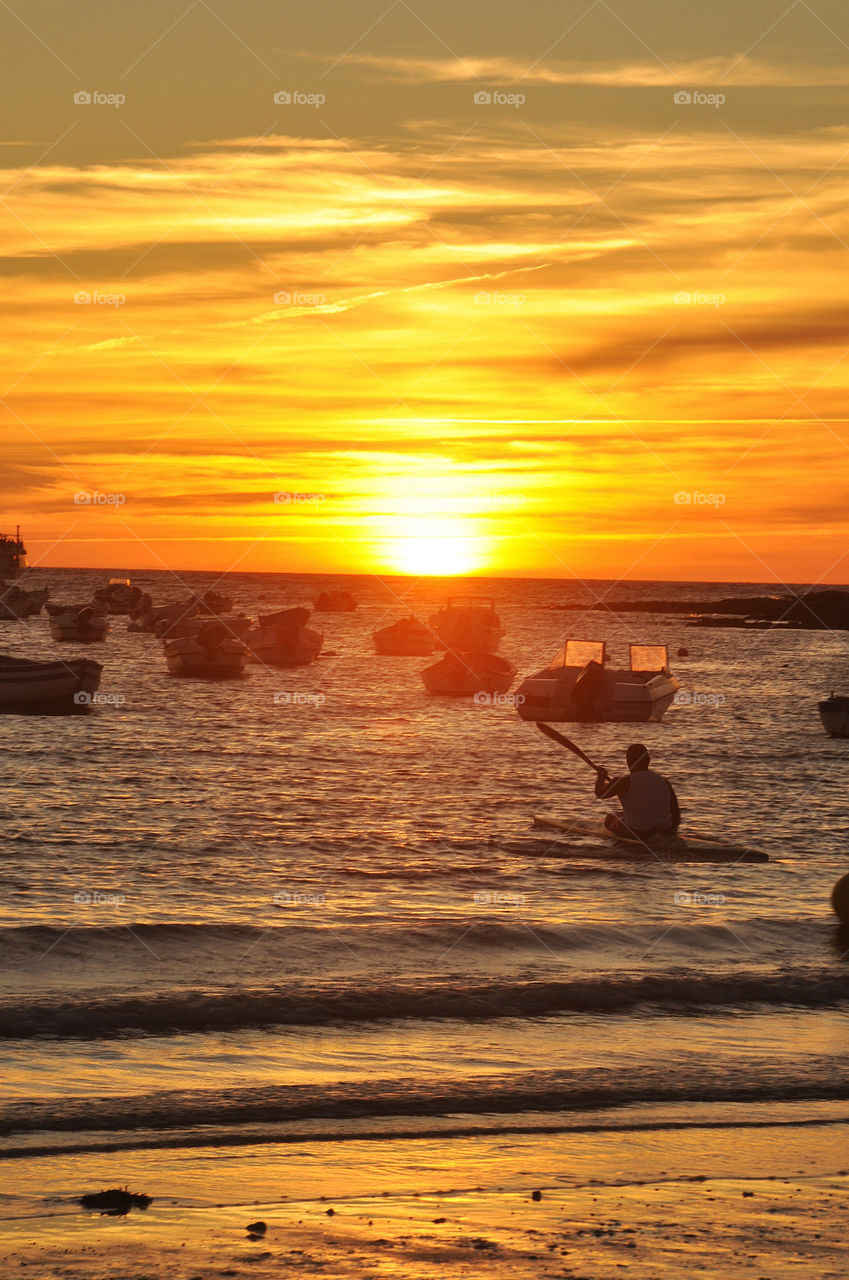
{"points": [[48, 688], [834, 714], [623, 701], [467, 675], [650, 849]]}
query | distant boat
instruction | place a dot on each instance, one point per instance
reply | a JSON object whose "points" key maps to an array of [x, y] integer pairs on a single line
{"points": [[47, 688], [335, 602], [82, 622], [212, 654], [13, 555], [17, 604], [462, 675], [577, 685], [834, 713], [283, 639], [406, 638], [467, 623]]}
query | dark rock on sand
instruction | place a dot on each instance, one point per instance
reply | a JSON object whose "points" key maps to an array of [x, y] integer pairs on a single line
{"points": [[258, 1228], [116, 1200]]}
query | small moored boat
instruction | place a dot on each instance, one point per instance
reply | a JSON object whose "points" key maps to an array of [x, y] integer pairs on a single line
{"points": [[834, 713], [335, 602], [212, 654], [406, 638], [119, 596], [468, 624], [462, 675], [47, 688], [283, 639], [82, 622], [578, 685]]}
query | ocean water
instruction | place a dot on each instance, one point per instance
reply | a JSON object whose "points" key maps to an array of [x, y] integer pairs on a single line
{"points": [[228, 918]]}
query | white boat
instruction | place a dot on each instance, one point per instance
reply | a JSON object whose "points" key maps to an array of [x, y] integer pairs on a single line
{"points": [[212, 654], [47, 688], [468, 624], [578, 685], [406, 638], [283, 639], [834, 713], [81, 622], [463, 675]]}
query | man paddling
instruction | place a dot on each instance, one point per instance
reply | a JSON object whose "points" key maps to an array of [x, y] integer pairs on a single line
{"points": [[648, 800]]}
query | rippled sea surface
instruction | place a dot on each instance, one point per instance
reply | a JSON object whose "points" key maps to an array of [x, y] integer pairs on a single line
{"points": [[231, 914]]}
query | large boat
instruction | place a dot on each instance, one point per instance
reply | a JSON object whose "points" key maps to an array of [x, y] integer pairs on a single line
{"points": [[468, 624], [834, 713], [406, 638], [13, 554], [478, 674], [47, 688], [578, 685]]}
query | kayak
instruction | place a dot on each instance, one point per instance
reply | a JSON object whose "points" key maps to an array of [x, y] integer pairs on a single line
{"points": [[630, 849]]}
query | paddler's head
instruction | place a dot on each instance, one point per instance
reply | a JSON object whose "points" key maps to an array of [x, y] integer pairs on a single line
{"points": [[637, 756]]}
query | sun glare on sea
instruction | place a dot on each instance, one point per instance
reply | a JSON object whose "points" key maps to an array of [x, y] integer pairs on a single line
{"points": [[434, 547]]}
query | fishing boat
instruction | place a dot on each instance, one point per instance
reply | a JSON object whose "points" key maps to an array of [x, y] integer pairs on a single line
{"points": [[17, 604], [335, 602], [215, 603], [283, 639], [82, 622], [13, 554], [212, 654], [464, 675], [834, 713], [659, 848], [119, 596], [578, 685], [161, 619], [47, 688], [468, 623], [406, 638]]}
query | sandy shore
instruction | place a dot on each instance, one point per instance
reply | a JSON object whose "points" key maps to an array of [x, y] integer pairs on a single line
{"points": [[461, 1208]]}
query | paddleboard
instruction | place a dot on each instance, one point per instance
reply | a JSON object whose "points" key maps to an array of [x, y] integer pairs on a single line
{"points": [[666, 848]]}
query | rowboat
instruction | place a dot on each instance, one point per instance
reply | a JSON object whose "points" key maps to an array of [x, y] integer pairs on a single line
{"points": [[82, 622], [690, 848], [406, 638], [283, 639], [47, 688], [467, 624], [463, 675]]}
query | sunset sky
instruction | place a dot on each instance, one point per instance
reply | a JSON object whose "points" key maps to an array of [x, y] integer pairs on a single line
{"points": [[595, 325]]}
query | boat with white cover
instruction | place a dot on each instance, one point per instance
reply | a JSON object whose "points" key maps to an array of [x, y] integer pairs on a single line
{"points": [[81, 622], [578, 685], [283, 639], [212, 654], [47, 688]]}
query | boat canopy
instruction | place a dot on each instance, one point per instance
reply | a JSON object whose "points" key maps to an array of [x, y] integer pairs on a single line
{"points": [[577, 653], [649, 657]]}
